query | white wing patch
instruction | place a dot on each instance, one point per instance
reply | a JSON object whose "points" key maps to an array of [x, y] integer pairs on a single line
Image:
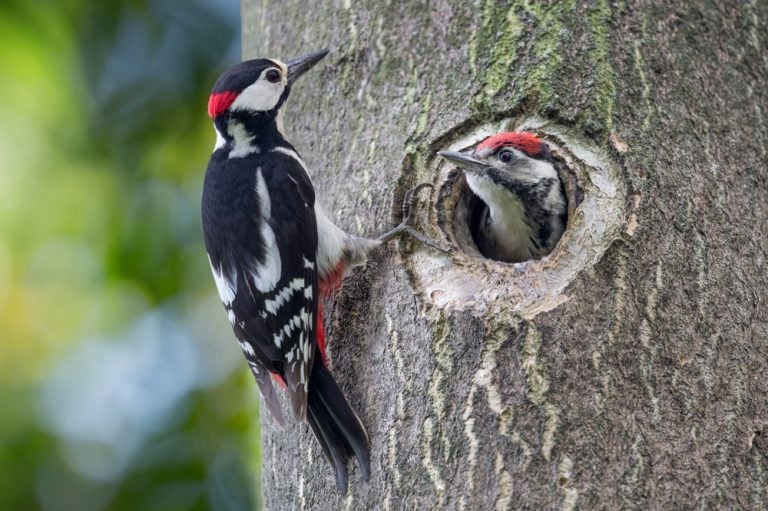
{"points": [[266, 275], [305, 348], [284, 294], [300, 321], [227, 289], [247, 348], [303, 369]]}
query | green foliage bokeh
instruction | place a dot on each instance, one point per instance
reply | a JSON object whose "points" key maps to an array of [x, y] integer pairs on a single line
{"points": [[106, 300]]}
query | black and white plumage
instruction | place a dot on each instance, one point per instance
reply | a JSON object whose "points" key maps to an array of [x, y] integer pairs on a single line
{"points": [[524, 208], [266, 279], [273, 251]]}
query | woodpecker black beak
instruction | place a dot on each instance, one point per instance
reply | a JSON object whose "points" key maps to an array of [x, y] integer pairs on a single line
{"points": [[462, 160], [300, 65]]}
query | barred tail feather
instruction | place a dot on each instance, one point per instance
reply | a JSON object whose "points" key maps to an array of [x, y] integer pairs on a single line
{"points": [[336, 426]]}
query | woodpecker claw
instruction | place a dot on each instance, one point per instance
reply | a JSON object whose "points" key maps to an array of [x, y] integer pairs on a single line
{"points": [[409, 199], [405, 226]]}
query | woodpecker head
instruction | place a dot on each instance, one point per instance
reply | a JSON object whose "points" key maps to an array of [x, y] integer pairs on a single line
{"points": [[258, 86], [520, 156], [523, 210]]}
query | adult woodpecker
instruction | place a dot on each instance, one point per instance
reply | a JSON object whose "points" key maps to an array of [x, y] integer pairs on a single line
{"points": [[275, 255], [524, 207]]}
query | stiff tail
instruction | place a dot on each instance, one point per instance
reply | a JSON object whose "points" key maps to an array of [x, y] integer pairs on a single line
{"points": [[336, 426]]}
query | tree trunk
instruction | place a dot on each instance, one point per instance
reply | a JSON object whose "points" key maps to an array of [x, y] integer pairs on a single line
{"points": [[624, 371]]}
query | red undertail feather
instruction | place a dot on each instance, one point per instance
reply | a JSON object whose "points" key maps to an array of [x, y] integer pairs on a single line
{"points": [[523, 141], [332, 281], [218, 102], [279, 380], [327, 286], [320, 329]]}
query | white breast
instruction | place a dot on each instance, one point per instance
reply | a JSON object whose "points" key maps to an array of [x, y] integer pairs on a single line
{"points": [[509, 234]]}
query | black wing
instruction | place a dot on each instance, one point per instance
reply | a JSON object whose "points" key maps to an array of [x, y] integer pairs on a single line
{"points": [[261, 236]]}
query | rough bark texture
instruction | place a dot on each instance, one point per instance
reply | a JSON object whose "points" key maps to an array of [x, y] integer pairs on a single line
{"points": [[625, 371]]}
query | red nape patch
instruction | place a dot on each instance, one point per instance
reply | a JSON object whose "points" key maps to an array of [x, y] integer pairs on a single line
{"points": [[218, 102], [326, 286], [523, 141], [320, 336]]}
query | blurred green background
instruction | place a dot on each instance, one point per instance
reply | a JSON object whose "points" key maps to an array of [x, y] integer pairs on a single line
{"points": [[121, 387]]}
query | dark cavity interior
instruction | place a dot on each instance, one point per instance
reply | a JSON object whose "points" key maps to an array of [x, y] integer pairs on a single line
{"points": [[469, 207]]}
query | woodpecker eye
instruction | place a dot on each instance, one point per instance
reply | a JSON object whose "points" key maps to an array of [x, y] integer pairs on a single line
{"points": [[506, 156], [273, 75]]}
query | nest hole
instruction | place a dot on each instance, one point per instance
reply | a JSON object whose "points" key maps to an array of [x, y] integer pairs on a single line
{"points": [[462, 209]]}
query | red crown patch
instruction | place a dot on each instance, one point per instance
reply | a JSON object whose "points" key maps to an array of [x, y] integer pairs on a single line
{"points": [[523, 141]]}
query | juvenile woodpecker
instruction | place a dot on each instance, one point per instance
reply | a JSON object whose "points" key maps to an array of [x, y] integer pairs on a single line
{"points": [[276, 256], [524, 209]]}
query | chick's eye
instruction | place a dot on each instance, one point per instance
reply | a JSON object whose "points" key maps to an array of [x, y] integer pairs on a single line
{"points": [[273, 75], [506, 156]]}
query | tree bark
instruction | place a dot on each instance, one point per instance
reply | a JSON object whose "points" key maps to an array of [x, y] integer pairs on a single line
{"points": [[627, 370]]}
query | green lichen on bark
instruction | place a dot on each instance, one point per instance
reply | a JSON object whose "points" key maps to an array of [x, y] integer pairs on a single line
{"points": [[600, 117], [498, 37], [545, 57], [500, 34], [517, 58], [599, 400]]}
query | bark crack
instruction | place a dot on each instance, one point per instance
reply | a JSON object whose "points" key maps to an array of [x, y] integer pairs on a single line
{"points": [[649, 355]]}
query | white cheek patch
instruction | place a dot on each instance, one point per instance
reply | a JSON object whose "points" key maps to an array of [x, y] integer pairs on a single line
{"points": [[542, 169], [260, 96]]}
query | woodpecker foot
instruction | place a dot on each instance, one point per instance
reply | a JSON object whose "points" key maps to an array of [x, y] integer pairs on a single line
{"points": [[405, 227], [402, 230]]}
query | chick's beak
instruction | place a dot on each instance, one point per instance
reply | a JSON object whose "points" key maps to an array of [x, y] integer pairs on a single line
{"points": [[300, 65], [464, 161]]}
